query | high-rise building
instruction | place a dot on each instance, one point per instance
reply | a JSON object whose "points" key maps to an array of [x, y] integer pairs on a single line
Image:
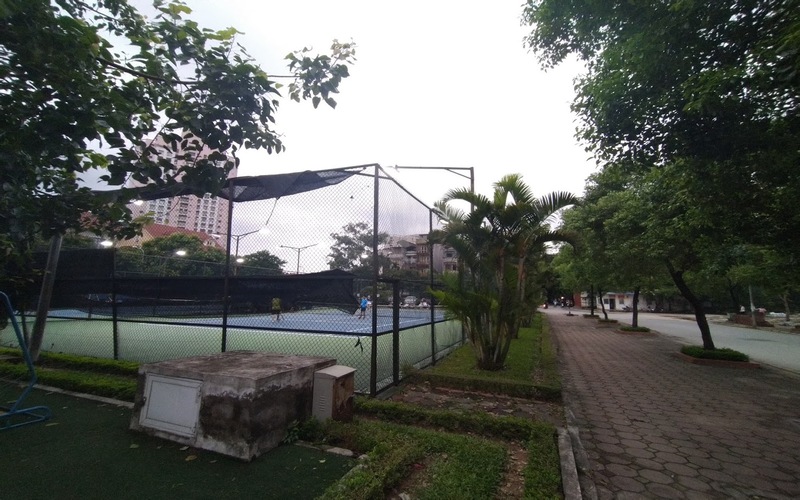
{"points": [[207, 214]]}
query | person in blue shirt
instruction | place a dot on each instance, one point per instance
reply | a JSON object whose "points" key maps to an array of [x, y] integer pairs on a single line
{"points": [[364, 302]]}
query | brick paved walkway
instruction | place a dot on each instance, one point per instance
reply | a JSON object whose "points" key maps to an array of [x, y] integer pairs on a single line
{"points": [[654, 426]]}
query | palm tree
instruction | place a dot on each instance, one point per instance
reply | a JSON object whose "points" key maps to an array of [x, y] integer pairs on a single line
{"points": [[496, 241]]}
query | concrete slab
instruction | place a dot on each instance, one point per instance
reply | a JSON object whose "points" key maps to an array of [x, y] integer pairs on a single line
{"points": [[238, 403]]}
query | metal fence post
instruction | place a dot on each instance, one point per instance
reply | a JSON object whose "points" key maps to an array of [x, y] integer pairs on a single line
{"points": [[396, 331], [114, 323], [373, 376], [226, 286]]}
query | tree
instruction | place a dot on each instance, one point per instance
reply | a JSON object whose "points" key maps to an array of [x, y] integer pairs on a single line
{"points": [[497, 242], [676, 232], [352, 249], [194, 259], [261, 263], [73, 103], [705, 90], [710, 83]]}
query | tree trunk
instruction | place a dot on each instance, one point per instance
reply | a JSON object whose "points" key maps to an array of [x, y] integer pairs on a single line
{"points": [[697, 304], [752, 306], [635, 315], [785, 300], [734, 299], [591, 300], [602, 304], [48, 279]]}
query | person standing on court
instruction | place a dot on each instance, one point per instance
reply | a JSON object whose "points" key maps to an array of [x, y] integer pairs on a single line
{"points": [[363, 312], [276, 308]]}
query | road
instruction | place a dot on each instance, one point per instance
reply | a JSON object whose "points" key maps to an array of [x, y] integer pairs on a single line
{"points": [[770, 347]]}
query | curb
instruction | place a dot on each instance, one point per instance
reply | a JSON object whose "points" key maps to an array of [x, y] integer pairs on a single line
{"points": [[576, 481], [83, 395], [570, 483]]}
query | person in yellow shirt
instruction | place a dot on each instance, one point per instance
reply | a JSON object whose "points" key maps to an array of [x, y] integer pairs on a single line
{"points": [[276, 308]]}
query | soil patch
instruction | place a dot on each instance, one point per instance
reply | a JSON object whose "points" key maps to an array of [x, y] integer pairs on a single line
{"points": [[467, 401]]}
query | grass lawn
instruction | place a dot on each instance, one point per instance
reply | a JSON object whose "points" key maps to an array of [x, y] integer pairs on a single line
{"points": [[531, 367], [86, 450]]}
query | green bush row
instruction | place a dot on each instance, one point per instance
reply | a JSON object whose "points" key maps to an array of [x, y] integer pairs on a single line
{"points": [[626, 328], [452, 465], [111, 386], [80, 363], [452, 421]]}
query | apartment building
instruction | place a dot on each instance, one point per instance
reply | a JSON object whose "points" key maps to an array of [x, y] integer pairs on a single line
{"points": [[207, 214], [414, 252]]}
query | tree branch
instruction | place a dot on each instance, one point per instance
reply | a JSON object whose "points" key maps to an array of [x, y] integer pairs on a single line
{"points": [[134, 72]]}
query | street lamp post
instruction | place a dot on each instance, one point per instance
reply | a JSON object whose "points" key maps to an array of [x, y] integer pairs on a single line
{"points": [[298, 250]]}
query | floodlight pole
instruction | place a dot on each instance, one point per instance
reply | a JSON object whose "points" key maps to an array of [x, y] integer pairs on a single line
{"points": [[298, 250], [238, 238], [453, 170]]}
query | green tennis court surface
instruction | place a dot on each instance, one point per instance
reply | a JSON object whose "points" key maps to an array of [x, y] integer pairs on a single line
{"points": [[151, 342], [86, 451]]}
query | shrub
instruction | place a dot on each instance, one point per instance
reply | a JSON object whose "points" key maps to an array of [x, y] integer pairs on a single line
{"points": [[626, 328], [723, 354]]}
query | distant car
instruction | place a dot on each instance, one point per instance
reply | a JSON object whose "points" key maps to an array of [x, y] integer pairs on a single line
{"points": [[410, 301]]}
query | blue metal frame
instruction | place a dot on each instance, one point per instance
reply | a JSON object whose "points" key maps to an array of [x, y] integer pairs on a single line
{"points": [[33, 414]]}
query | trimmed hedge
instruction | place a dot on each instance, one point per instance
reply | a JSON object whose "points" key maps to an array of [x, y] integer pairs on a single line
{"points": [[723, 353]]}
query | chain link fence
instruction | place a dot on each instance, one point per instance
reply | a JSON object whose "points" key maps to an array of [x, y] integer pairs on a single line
{"points": [[302, 256]]}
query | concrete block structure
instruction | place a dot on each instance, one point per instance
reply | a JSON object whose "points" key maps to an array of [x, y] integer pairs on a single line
{"points": [[238, 403]]}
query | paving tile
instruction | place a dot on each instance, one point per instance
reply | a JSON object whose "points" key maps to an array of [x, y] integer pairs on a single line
{"points": [[656, 476], [716, 475], [610, 448], [633, 443], [693, 451], [621, 470], [689, 431], [705, 463], [681, 470], [664, 491], [670, 457], [627, 484], [694, 483], [646, 463], [639, 453]]}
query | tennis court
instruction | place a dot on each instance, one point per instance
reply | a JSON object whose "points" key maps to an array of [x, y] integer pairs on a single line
{"points": [[331, 333], [146, 303]]}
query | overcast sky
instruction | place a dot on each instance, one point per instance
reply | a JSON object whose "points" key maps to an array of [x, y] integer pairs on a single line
{"points": [[437, 83]]}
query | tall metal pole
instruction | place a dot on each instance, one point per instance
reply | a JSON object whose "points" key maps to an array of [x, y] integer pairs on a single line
{"points": [[298, 250], [430, 271]]}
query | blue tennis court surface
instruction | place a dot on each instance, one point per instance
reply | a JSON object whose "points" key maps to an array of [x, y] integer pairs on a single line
{"points": [[322, 320]]}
